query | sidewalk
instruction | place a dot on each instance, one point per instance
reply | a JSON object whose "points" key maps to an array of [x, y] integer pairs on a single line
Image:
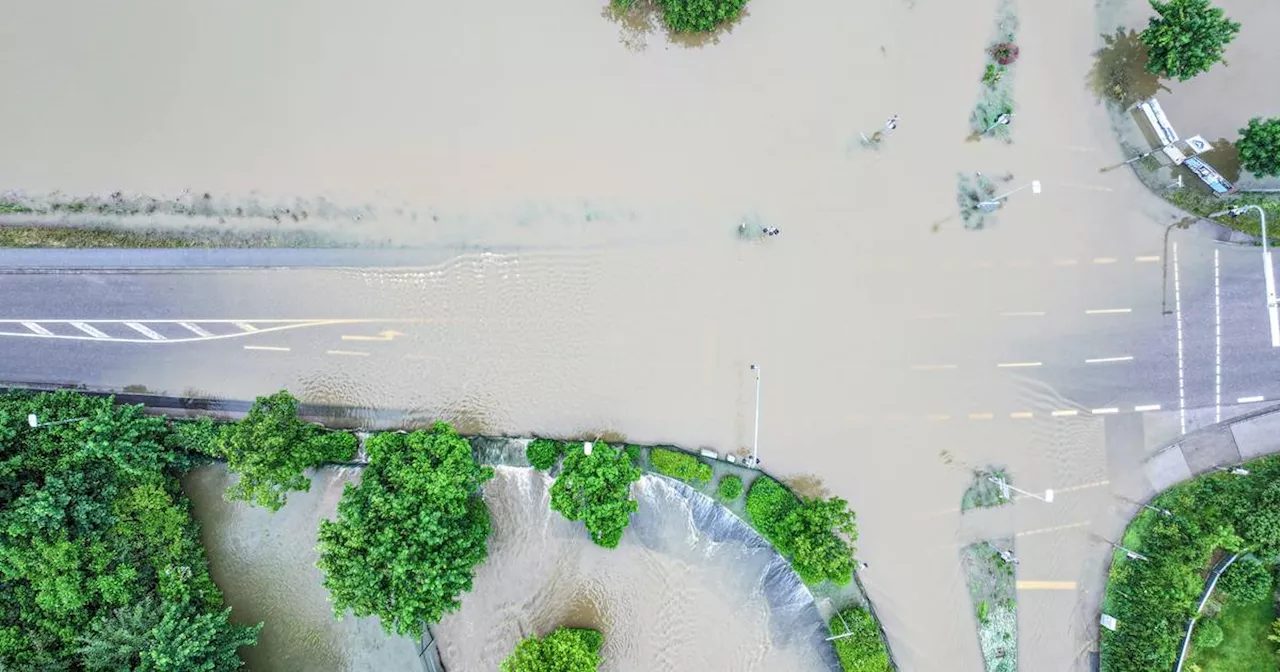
{"points": [[1237, 440]]}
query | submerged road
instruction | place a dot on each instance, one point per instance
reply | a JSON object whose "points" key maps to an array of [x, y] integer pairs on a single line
{"points": [[1065, 367]]}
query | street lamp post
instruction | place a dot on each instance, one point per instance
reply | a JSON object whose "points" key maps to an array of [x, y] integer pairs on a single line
{"points": [[994, 203], [1004, 118], [33, 421], [1268, 272], [755, 441], [1005, 488]]}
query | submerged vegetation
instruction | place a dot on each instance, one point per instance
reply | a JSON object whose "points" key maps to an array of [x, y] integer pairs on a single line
{"points": [[990, 577], [565, 650], [984, 492], [101, 565], [595, 487], [993, 112], [679, 464], [815, 535]]}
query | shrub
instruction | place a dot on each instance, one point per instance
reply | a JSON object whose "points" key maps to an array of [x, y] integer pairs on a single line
{"points": [[861, 651], [768, 503], [565, 650], [198, 436], [699, 16], [543, 453], [635, 453], [679, 465], [730, 488], [1208, 634], [1004, 53], [1246, 581]]}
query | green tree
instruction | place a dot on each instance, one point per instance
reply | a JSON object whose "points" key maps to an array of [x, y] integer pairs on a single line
{"points": [[93, 521], [1259, 147], [596, 489], [173, 638], [768, 504], [699, 16], [565, 650], [408, 538], [271, 448], [817, 537], [1247, 580], [859, 647], [543, 453], [1186, 37]]}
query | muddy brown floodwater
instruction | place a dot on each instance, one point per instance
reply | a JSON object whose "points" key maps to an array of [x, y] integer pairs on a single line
{"points": [[630, 304], [690, 587]]}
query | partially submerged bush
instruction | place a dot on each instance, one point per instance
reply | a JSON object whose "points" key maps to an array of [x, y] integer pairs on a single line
{"points": [[543, 453], [565, 650], [699, 16], [861, 651]]}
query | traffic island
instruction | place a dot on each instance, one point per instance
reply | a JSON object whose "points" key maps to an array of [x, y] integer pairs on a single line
{"points": [[985, 491], [989, 572], [993, 113], [976, 195]]}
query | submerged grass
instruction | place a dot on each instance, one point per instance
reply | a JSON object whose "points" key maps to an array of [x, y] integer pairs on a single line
{"points": [[982, 492], [991, 587], [108, 237], [996, 96]]}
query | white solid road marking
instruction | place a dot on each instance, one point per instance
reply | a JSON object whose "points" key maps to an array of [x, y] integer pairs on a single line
{"points": [[272, 348], [1249, 400], [933, 367], [245, 326], [346, 353], [144, 330], [1154, 257], [1014, 365], [37, 328], [1028, 313], [1104, 260], [1177, 307], [1108, 311], [1217, 343], [1148, 407], [1105, 411], [89, 329], [194, 329], [1021, 415], [1065, 414], [1104, 360]]}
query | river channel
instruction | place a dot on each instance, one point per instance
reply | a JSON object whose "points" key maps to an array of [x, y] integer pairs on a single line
{"points": [[690, 587]]}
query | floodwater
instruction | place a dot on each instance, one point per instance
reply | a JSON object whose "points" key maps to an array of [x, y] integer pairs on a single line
{"points": [[631, 304], [691, 586]]}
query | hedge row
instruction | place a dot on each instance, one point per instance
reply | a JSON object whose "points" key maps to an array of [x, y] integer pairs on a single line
{"points": [[679, 465], [861, 651]]}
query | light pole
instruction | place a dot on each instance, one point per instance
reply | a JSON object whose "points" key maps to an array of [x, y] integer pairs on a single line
{"points": [[1268, 272], [1132, 555], [755, 441], [34, 421], [994, 203], [1005, 488], [1004, 119]]}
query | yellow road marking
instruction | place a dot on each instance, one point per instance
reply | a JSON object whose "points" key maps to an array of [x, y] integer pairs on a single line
{"points": [[1045, 530], [1046, 585], [1150, 258], [1104, 260], [981, 416], [1021, 415], [346, 353], [1065, 414], [272, 348], [938, 417]]}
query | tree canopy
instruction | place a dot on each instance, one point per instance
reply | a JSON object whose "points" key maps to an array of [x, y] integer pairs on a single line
{"points": [[818, 537], [565, 650], [596, 489], [101, 565], [1259, 147], [408, 538], [1186, 37], [271, 448], [699, 16]]}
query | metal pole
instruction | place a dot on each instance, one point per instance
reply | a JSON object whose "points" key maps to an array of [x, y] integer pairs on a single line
{"points": [[755, 442]]}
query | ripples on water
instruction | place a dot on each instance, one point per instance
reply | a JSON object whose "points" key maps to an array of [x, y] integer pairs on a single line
{"points": [[689, 588]]}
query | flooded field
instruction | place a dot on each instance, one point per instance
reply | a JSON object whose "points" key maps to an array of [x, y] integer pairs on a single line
{"points": [[630, 303]]}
